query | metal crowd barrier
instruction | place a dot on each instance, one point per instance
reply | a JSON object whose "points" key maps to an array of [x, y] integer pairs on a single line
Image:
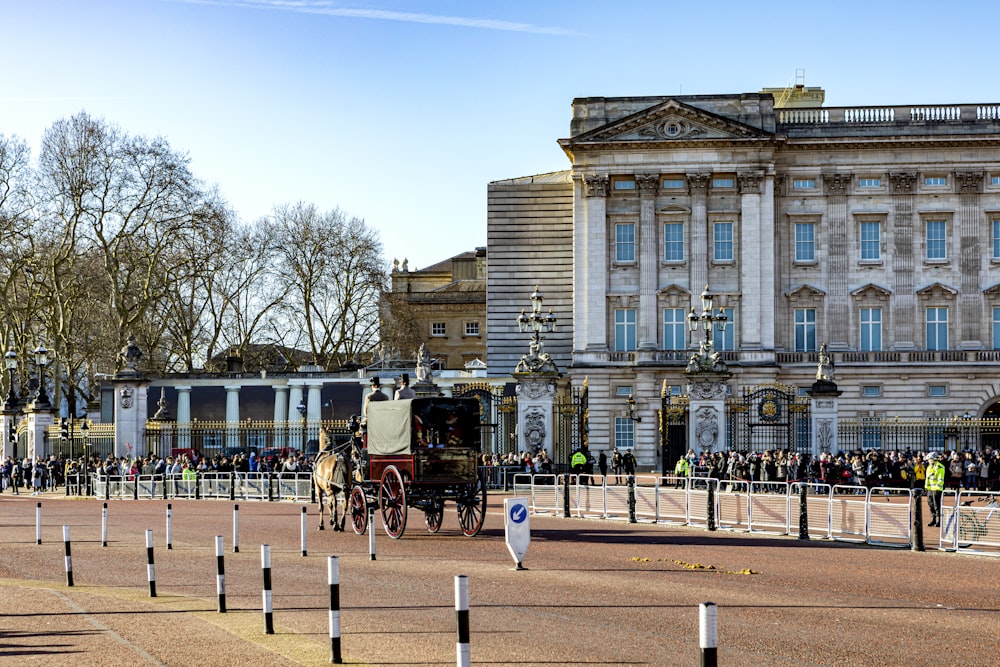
{"points": [[295, 487]]}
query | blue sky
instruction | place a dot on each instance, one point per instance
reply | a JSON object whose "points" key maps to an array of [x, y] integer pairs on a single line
{"points": [[402, 112]]}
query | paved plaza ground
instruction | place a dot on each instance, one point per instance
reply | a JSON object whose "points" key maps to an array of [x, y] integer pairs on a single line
{"points": [[595, 593]]}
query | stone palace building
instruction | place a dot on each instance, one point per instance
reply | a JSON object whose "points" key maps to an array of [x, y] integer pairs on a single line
{"points": [[874, 230]]}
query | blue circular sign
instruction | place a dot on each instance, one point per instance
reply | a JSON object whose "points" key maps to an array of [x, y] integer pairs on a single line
{"points": [[518, 513]]}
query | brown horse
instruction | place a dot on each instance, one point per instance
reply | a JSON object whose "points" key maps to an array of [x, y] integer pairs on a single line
{"points": [[331, 476]]}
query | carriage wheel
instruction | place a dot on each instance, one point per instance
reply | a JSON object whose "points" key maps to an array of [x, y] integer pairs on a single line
{"points": [[433, 516], [472, 507], [392, 500], [358, 507]]}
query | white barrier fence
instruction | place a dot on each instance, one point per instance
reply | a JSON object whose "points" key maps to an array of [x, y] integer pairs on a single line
{"points": [[880, 515], [294, 487]]}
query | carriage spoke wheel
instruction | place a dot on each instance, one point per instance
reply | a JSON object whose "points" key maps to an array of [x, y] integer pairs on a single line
{"points": [[392, 500], [358, 507], [433, 516], [472, 508]]}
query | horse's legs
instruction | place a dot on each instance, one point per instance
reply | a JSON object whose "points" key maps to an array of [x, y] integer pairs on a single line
{"points": [[319, 498]]}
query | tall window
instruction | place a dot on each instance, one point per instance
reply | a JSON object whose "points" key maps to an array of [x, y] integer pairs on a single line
{"points": [[937, 328], [673, 242], [624, 329], [674, 329], [725, 340], [996, 239], [805, 329], [625, 242], [937, 247], [624, 433], [996, 328], [722, 238], [871, 329], [805, 242], [870, 241]]}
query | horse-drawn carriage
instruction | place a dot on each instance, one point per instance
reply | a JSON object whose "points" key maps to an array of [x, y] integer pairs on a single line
{"points": [[421, 453]]}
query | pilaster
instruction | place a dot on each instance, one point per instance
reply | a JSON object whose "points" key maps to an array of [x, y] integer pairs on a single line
{"points": [[592, 273], [649, 185], [698, 258], [904, 305], [707, 411], [753, 240], [838, 315], [970, 184]]}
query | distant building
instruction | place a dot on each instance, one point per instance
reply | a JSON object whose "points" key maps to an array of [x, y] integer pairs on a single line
{"points": [[873, 229], [443, 306]]}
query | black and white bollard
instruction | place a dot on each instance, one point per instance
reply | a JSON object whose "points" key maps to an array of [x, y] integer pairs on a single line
{"points": [[150, 569], [104, 525], [708, 624], [333, 575], [69, 557], [463, 658], [38, 523], [170, 532], [371, 534], [302, 531], [265, 564], [220, 574], [803, 512], [236, 529]]}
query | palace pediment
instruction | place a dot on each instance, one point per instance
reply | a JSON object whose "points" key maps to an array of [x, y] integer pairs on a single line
{"points": [[670, 121]]}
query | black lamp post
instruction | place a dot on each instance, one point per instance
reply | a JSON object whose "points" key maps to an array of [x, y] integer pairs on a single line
{"points": [[630, 406], [41, 355], [10, 359], [706, 320], [301, 407]]}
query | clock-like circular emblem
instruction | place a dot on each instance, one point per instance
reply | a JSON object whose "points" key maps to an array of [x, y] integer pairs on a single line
{"points": [[769, 409]]}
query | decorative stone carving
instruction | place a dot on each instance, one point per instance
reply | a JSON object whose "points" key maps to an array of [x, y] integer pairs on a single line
{"points": [[671, 128], [423, 370], [824, 368], [698, 181], [836, 184], [750, 182], [534, 427], [706, 427], [969, 181], [707, 390], [534, 389], [536, 360], [648, 184], [126, 394], [596, 186], [824, 434], [128, 358], [903, 183]]}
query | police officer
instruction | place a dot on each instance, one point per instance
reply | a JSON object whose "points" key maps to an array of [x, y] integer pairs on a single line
{"points": [[578, 462], [934, 485]]}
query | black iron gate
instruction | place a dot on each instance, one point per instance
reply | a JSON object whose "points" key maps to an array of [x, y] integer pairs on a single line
{"points": [[673, 427], [498, 415], [770, 416]]}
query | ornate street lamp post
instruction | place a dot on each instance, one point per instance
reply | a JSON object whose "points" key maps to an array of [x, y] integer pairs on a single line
{"points": [[301, 407], [706, 359], [536, 360], [11, 360], [41, 355]]}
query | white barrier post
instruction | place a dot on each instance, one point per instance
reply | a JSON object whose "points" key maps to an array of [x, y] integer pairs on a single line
{"points": [[236, 529], [708, 633], [104, 525], [371, 534], [150, 570], [333, 575], [265, 564], [302, 531], [69, 557], [170, 532], [462, 612], [38, 523], [220, 574]]}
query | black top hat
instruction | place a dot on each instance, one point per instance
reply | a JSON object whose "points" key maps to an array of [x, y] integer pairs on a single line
{"points": [[376, 382], [406, 378]]}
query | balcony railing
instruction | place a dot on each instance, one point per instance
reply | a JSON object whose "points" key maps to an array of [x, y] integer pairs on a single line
{"points": [[756, 357], [942, 113]]}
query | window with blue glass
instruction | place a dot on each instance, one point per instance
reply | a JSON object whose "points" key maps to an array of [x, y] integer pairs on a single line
{"points": [[996, 239], [871, 329], [871, 241], [722, 241], [725, 340], [937, 246], [937, 328], [624, 329], [673, 242], [625, 242], [805, 242], [996, 328], [674, 329], [805, 329], [624, 433]]}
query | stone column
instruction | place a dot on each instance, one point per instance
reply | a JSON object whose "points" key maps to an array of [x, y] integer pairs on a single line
{"points": [[838, 315], [753, 259], [38, 423], [707, 410], [314, 401], [904, 305], [970, 312], [295, 396], [698, 255], [131, 410], [280, 414], [232, 415], [824, 422], [536, 394], [591, 274], [183, 416], [649, 264]]}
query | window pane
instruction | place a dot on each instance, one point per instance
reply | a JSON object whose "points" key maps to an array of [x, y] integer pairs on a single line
{"points": [[723, 241], [996, 239], [672, 183], [805, 330], [805, 242], [725, 341], [871, 329], [870, 242], [674, 329], [624, 329], [937, 328], [996, 328], [936, 246], [624, 433], [673, 242], [625, 242]]}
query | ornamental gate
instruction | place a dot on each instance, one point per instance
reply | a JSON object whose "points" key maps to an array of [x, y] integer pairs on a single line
{"points": [[497, 414], [769, 416]]}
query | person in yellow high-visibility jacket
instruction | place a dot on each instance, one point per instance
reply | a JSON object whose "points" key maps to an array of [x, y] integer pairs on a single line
{"points": [[682, 469], [934, 484]]}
